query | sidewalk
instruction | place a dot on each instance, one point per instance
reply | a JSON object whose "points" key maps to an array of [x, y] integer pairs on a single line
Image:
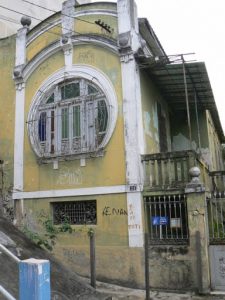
{"points": [[117, 292]]}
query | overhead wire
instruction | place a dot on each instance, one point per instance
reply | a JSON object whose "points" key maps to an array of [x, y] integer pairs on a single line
{"points": [[9, 19], [38, 19], [54, 11], [50, 23]]}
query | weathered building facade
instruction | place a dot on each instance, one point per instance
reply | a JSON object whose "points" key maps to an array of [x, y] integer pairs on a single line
{"points": [[101, 128]]}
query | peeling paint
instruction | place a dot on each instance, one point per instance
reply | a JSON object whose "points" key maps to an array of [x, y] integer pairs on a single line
{"points": [[180, 143], [155, 117], [147, 123]]}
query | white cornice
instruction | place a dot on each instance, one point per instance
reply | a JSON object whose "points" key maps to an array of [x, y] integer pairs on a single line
{"points": [[101, 190], [106, 12]]}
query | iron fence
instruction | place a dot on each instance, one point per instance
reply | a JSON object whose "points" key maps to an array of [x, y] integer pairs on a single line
{"points": [[166, 219]]}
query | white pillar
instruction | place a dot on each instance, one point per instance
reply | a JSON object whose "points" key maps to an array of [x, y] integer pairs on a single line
{"points": [[19, 137], [19, 106], [129, 43], [68, 11]]}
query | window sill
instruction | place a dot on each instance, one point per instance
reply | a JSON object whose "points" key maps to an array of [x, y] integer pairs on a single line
{"points": [[69, 157]]}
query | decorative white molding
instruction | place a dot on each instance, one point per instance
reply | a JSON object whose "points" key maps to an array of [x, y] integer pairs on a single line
{"points": [[57, 22], [20, 86], [21, 46], [106, 12], [39, 31], [94, 75], [101, 190], [55, 47]]}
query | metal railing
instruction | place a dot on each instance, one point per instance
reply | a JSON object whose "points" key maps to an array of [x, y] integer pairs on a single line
{"points": [[167, 221], [30, 278], [3, 291]]}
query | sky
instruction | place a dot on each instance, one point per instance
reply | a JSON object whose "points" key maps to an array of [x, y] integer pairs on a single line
{"points": [[192, 26]]}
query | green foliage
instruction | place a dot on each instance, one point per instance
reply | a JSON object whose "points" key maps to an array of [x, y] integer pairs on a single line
{"points": [[90, 232], [42, 240], [49, 232], [47, 237]]}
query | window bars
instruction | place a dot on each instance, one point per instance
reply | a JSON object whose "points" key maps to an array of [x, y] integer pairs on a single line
{"points": [[75, 212], [166, 218]]}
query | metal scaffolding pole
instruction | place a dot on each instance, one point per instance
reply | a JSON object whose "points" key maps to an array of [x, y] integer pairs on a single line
{"points": [[187, 103], [197, 120]]}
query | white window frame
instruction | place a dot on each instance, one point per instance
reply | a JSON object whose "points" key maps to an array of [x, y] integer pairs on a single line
{"points": [[87, 73]]}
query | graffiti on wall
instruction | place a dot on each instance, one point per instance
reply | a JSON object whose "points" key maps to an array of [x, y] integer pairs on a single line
{"points": [[72, 254], [133, 224], [86, 57], [108, 211], [66, 176]]}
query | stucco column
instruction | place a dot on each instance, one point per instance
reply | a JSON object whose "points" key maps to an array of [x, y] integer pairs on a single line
{"points": [[198, 230], [129, 44], [19, 107]]}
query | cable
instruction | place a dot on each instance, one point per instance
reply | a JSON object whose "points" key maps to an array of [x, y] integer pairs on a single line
{"points": [[54, 11], [9, 19], [38, 19]]}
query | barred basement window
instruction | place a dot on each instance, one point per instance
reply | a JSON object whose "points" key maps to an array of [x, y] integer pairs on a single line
{"points": [[167, 219], [71, 118], [75, 212]]}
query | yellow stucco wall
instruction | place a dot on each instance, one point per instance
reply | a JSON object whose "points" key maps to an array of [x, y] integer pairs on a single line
{"points": [[111, 227], [70, 174], [7, 110], [150, 96], [214, 145], [82, 27], [123, 264], [42, 41]]}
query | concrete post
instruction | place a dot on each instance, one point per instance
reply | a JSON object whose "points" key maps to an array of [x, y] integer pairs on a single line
{"points": [[198, 230], [34, 279]]}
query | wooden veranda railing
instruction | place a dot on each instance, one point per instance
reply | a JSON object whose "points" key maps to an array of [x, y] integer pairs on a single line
{"points": [[169, 170], [218, 180]]}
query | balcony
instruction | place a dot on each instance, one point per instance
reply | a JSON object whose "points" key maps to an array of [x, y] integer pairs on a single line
{"points": [[170, 171]]}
